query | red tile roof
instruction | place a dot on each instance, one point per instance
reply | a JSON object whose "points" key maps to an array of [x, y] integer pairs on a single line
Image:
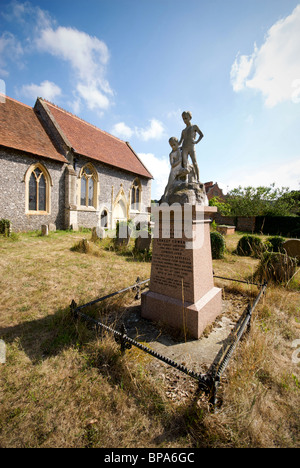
{"points": [[21, 129], [90, 141]]}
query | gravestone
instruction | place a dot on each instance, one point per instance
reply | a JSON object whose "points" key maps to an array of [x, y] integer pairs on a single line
{"points": [[45, 230], [123, 234], [98, 233], [142, 243], [181, 291], [292, 248]]}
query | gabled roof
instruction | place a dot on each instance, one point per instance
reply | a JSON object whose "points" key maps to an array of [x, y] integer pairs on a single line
{"points": [[20, 129], [88, 140]]}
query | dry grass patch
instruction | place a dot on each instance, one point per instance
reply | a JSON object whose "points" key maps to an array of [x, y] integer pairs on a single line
{"points": [[64, 386]]}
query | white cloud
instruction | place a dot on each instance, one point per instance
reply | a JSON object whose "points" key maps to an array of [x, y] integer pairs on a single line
{"points": [[26, 15], [160, 169], [122, 130], [94, 98], [155, 131], [274, 68], [88, 57], [10, 49], [47, 90], [286, 174], [241, 69]]}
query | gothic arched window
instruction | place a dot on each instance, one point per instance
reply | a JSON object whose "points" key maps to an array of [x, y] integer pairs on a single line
{"points": [[88, 186], [136, 195], [37, 185]]}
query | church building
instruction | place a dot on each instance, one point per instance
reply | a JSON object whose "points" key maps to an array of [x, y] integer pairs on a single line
{"points": [[55, 168]]}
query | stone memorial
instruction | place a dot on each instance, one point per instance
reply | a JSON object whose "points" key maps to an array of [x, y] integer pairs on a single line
{"points": [[182, 292], [292, 248], [45, 230]]}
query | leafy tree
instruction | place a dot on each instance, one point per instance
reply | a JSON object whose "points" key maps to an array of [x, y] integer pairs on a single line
{"points": [[223, 207], [261, 201]]}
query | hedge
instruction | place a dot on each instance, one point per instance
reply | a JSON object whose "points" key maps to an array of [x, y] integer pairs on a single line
{"points": [[217, 245], [288, 226]]}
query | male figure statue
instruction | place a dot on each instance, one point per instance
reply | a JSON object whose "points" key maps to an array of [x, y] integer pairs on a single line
{"points": [[188, 136]]}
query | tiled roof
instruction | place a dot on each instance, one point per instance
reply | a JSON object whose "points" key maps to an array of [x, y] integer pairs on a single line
{"points": [[21, 129], [90, 141]]}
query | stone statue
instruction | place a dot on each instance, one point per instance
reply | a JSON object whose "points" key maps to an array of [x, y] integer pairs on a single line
{"points": [[183, 185], [188, 141], [176, 163]]}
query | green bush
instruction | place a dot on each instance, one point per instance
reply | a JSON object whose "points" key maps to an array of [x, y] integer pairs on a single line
{"points": [[5, 227], [249, 245], [276, 243], [218, 245]]}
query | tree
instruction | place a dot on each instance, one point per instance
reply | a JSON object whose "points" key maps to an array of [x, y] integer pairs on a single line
{"points": [[261, 201], [223, 208]]}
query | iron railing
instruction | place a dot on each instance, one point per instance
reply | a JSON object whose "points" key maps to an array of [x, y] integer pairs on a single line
{"points": [[208, 382]]}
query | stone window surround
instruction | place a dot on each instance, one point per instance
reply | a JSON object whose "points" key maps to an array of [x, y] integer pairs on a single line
{"points": [[49, 184], [137, 186], [96, 191]]}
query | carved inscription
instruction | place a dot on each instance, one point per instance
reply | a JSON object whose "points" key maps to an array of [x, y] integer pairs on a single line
{"points": [[172, 267]]}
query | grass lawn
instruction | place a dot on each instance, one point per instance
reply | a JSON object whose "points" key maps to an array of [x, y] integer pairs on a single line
{"points": [[62, 386]]}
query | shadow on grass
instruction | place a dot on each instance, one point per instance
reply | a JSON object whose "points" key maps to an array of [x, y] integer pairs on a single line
{"points": [[43, 337]]}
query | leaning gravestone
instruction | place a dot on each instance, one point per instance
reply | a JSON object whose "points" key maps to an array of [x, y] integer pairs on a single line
{"points": [[182, 292], [292, 248]]}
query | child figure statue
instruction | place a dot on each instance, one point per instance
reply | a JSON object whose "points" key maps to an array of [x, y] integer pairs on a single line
{"points": [[187, 139], [176, 163]]}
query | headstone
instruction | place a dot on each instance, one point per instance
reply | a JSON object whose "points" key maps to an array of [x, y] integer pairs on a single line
{"points": [[182, 292], [123, 234], [51, 227], [142, 243], [98, 233], [292, 248], [45, 230]]}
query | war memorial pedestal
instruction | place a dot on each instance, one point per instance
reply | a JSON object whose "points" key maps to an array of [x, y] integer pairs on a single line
{"points": [[182, 292]]}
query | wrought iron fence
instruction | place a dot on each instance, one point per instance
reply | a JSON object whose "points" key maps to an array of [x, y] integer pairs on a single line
{"points": [[208, 382]]}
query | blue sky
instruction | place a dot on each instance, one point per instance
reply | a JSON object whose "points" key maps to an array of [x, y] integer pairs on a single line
{"points": [[131, 67]]}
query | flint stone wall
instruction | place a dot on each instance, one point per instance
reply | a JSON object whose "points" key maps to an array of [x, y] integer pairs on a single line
{"points": [[13, 167]]}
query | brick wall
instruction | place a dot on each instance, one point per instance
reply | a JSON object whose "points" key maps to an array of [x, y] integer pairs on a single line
{"points": [[246, 224], [242, 223]]}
